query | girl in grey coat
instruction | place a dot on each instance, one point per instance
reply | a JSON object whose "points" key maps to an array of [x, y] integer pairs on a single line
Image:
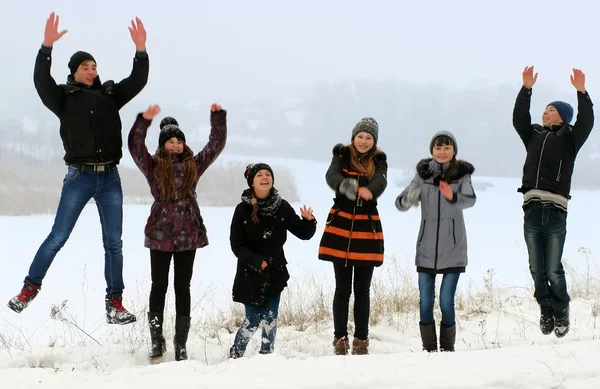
{"points": [[443, 186]]}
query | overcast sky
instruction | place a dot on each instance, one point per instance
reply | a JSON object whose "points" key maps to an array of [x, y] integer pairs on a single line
{"points": [[239, 48]]}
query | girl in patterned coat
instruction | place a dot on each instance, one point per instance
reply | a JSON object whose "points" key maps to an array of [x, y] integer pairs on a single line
{"points": [[175, 228]]}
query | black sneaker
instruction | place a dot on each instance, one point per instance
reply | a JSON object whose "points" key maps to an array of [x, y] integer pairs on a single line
{"points": [[23, 299], [116, 313], [547, 322], [562, 323]]}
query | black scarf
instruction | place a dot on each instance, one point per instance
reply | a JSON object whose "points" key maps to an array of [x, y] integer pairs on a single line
{"points": [[267, 206]]}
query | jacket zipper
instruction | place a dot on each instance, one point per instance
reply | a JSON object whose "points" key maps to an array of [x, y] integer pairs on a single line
{"points": [[437, 233], [559, 170], [537, 179], [351, 230]]}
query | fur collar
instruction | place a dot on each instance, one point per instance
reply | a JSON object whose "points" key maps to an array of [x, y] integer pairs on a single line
{"points": [[462, 168], [343, 150]]}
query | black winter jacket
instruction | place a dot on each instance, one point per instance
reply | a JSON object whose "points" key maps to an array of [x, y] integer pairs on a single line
{"points": [[251, 246], [90, 124], [551, 152], [340, 168]]}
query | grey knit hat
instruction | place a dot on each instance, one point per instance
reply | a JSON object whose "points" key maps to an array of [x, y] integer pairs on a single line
{"points": [[368, 125], [447, 134]]}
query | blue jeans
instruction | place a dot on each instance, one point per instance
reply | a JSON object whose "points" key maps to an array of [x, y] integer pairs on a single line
{"points": [[427, 298], [254, 317], [545, 230], [78, 188]]}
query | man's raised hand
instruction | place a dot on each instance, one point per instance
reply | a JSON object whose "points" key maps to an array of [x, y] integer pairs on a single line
{"points": [[138, 34], [51, 33], [578, 80], [529, 78]]}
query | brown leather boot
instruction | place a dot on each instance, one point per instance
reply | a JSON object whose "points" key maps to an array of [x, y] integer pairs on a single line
{"points": [[341, 345], [360, 346]]}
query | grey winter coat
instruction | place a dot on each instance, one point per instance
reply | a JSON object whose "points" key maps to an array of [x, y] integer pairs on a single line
{"points": [[442, 239]]}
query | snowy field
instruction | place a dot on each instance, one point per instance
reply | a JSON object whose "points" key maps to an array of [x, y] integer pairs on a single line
{"points": [[499, 348]]}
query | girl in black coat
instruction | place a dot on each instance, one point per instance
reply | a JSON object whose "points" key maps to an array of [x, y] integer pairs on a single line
{"points": [[353, 235], [258, 233]]}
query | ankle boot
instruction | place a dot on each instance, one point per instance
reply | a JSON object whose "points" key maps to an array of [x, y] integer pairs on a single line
{"points": [[341, 345], [562, 323], [547, 320], [158, 345], [360, 346], [182, 328], [235, 353]]}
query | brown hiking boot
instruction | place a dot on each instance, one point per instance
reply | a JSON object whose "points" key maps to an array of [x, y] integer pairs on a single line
{"points": [[341, 345], [360, 346]]}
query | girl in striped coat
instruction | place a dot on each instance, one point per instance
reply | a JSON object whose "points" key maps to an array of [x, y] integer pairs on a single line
{"points": [[353, 236]]}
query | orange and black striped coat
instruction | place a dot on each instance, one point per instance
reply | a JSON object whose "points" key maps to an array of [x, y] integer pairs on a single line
{"points": [[353, 233]]}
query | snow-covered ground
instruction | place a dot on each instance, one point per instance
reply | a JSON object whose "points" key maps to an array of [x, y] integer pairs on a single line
{"points": [[499, 348]]}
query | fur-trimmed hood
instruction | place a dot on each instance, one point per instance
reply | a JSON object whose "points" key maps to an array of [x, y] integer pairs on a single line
{"points": [[427, 167], [344, 150]]}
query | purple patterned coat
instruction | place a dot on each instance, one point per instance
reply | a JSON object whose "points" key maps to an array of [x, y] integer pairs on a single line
{"points": [[176, 225]]}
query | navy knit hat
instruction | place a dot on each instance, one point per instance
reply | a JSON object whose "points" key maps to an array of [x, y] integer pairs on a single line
{"points": [[565, 110], [447, 134], [254, 168], [169, 128], [77, 59], [368, 125]]}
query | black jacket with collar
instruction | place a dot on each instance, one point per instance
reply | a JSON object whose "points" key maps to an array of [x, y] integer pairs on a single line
{"points": [[340, 169], [90, 124], [252, 243], [551, 152]]}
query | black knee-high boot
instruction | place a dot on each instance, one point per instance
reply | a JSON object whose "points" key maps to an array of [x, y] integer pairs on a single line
{"points": [[157, 340], [182, 328]]}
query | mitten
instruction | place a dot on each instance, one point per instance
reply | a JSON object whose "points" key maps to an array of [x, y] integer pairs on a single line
{"points": [[349, 187], [412, 198]]}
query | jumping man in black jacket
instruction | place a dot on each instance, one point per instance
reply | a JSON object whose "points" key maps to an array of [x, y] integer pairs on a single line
{"points": [[90, 129], [551, 151]]}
